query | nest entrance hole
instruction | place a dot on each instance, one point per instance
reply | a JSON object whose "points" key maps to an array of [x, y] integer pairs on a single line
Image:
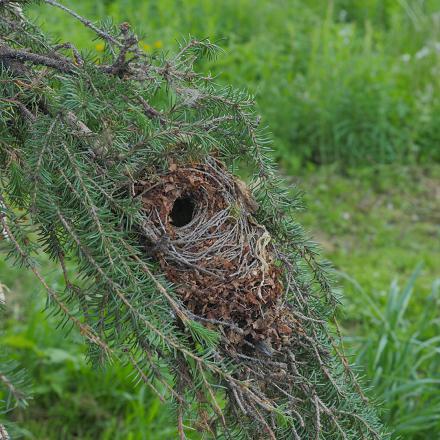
{"points": [[183, 211]]}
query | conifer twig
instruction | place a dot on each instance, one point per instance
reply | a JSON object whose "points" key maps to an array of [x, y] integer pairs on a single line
{"points": [[62, 64], [84, 328], [106, 36]]}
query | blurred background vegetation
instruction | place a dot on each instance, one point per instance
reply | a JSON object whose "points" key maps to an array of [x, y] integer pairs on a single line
{"points": [[350, 90]]}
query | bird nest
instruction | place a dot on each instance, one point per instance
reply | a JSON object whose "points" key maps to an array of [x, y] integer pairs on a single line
{"points": [[200, 228]]}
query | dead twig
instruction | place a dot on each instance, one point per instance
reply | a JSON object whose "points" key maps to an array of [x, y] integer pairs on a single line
{"points": [[61, 64]]}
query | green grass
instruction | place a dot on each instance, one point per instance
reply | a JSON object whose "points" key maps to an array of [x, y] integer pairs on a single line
{"points": [[401, 358], [375, 224]]}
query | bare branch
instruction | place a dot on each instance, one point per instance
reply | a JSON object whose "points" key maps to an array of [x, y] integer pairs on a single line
{"points": [[62, 64], [106, 36]]}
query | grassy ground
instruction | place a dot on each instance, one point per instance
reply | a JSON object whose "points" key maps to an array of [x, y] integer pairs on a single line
{"points": [[375, 224], [354, 83], [380, 228]]}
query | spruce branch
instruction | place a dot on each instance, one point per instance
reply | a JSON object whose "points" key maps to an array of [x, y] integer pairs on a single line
{"points": [[104, 35], [84, 329], [62, 64], [225, 314]]}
